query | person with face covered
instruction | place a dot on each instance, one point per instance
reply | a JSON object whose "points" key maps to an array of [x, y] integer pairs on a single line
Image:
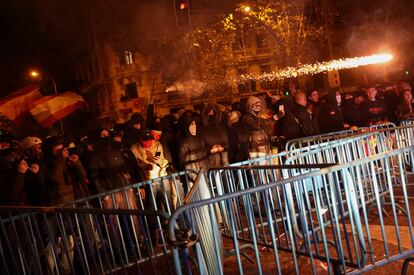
{"points": [[255, 130], [108, 170], [193, 152], [215, 136]]}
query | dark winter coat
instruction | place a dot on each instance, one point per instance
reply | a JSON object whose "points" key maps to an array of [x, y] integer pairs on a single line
{"points": [[305, 120], [193, 150], [255, 131], [352, 113], [107, 167], [331, 118], [214, 133], [288, 126], [373, 111]]}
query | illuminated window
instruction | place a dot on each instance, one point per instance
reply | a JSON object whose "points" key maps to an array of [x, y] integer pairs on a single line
{"points": [[128, 58]]}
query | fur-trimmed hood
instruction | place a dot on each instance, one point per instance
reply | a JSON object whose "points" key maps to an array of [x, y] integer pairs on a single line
{"points": [[253, 100]]}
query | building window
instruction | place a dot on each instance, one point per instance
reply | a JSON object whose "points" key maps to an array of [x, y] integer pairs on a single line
{"points": [[265, 68], [131, 91], [260, 41], [128, 58]]}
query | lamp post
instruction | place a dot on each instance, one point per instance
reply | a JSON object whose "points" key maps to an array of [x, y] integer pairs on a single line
{"points": [[34, 74]]}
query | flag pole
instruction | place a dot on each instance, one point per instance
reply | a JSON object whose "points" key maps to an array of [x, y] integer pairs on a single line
{"points": [[56, 92]]}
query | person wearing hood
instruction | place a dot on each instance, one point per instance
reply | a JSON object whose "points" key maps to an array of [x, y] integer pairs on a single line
{"points": [[331, 117], [193, 151], [135, 124], [107, 167], [256, 131], [215, 136]]}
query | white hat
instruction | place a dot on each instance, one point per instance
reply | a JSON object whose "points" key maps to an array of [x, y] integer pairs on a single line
{"points": [[29, 142]]}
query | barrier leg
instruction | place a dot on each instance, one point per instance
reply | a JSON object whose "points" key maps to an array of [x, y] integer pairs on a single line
{"points": [[405, 265]]}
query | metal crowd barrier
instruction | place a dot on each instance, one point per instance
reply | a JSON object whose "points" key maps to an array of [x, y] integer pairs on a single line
{"points": [[117, 221], [316, 139], [328, 205], [81, 241], [407, 122], [160, 194]]}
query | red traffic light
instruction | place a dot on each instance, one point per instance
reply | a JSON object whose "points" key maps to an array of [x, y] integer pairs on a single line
{"points": [[183, 5]]}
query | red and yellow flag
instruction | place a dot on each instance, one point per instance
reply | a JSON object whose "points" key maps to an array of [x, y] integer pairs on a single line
{"points": [[50, 109], [17, 103]]}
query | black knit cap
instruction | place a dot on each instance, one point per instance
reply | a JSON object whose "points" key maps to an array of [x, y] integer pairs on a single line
{"points": [[51, 142], [146, 135]]}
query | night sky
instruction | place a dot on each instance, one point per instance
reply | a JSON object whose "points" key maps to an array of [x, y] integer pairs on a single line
{"points": [[50, 34]]}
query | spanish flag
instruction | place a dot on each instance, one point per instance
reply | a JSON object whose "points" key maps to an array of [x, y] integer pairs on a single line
{"points": [[50, 109], [15, 105]]}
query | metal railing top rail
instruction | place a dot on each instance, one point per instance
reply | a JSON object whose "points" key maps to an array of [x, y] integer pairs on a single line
{"points": [[337, 144], [297, 151], [292, 144], [80, 210], [121, 189], [24, 211]]}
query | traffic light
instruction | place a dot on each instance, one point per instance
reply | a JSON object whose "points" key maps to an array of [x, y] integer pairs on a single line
{"points": [[333, 79], [182, 13]]}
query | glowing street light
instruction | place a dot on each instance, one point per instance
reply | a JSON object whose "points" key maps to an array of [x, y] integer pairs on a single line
{"points": [[246, 8], [34, 74], [37, 75]]}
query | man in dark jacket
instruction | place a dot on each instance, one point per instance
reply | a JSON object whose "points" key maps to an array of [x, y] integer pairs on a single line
{"points": [[352, 110], [331, 117], [303, 116], [287, 126], [373, 110]]}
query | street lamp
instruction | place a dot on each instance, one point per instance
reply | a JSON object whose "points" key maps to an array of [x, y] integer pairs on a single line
{"points": [[246, 8], [34, 74]]}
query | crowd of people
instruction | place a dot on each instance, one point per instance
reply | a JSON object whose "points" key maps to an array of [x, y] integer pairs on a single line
{"points": [[44, 171]]}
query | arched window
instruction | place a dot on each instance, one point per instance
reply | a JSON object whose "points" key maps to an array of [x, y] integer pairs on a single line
{"points": [[128, 58]]}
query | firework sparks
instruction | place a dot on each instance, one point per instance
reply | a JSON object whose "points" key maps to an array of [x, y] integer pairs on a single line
{"points": [[316, 68], [188, 87], [192, 87]]}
